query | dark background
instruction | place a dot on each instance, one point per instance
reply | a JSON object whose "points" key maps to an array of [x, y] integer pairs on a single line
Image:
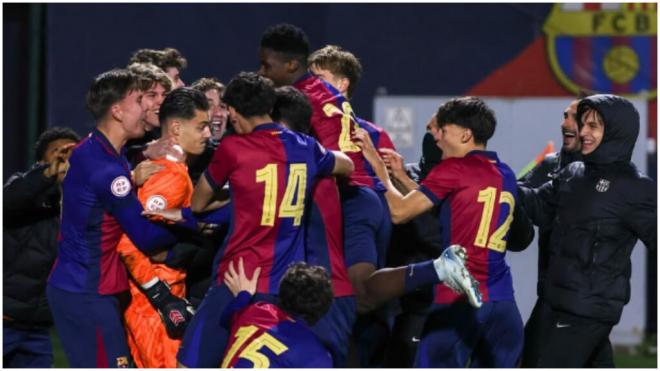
{"points": [[53, 51]]}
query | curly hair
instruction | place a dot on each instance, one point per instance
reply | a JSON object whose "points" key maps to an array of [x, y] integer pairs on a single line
{"points": [[288, 40], [305, 291], [205, 84], [165, 58], [250, 94], [51, 135]]}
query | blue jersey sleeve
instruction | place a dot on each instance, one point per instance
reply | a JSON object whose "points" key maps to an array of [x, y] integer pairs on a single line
{"points": [[241, 301], [114, 190], [325, 160], [219, 216]]}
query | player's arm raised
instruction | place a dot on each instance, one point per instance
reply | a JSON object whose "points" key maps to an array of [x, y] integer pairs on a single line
{"points": [[402, 209], [343, 164]]}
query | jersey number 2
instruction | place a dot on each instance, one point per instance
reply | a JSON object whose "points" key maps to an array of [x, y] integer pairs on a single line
{"points": [[251, 352], [293, 203], [345, 143], [496, 241]]}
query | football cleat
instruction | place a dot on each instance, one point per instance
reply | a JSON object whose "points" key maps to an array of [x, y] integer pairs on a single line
{"points": [[452, 263]]}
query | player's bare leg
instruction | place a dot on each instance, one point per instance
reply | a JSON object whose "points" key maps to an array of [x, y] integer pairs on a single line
{"points": [[389, 283]]}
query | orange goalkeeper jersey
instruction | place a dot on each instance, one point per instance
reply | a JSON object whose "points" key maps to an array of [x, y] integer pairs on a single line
{"points": [[150, 346]]}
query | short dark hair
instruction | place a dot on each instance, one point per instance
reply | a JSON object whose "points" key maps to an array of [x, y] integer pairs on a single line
{"points": [[165, 58], [340, 62], [110, 87], [182, 103], [287, 39], [205, 84], [51, 135], [292, 107], [152, 72], [471, 113], [250, 94], [305, 291]]}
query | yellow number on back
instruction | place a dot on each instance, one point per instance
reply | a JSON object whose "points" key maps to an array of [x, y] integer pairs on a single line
{"points": [[242, 334], [497, 242], [268, 175], [487, 197], [251, 352], [346, 112], [293, 203]]}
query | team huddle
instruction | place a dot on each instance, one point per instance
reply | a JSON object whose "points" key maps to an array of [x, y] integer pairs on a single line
{"points": [[295, 198]]}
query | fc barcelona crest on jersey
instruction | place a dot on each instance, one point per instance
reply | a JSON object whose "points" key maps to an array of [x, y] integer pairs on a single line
{"points": [[603, 185], [605, 48]]}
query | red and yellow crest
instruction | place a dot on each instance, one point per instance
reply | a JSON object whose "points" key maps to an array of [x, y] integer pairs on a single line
{"points": [[605, 48]]}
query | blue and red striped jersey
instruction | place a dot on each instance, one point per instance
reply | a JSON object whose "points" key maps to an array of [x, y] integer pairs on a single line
{"points": [[324, 239], [334, 124], [264, 336], [98, 206], [270, 172], [477, 195]]}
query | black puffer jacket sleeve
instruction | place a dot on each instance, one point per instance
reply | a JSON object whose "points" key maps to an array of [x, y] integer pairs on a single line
{"points": [[23, 193]]}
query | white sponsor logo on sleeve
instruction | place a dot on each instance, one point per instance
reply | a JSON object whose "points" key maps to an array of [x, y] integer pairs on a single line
{"points": [[120, 186], [156, 202]]}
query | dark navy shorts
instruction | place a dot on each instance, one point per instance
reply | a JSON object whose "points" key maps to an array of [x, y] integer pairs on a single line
{"points": [[22, 348], [367, 226], [492, 336], [90, 328], [334, 329]]}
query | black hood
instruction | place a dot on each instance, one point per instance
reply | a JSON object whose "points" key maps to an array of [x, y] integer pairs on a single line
{"points": [[431, 155], [621, 121]]}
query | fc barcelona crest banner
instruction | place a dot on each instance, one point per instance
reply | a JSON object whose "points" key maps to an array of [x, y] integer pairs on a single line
{"points": [[604, 48]]}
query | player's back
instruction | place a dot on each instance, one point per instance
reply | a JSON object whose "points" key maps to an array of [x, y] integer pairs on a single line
{"points": [[264, 336], [479, 195], [324, 242], [270, 173], [334, 124], [87, 259]]}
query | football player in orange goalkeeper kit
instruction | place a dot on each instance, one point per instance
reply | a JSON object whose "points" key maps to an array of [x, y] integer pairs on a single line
{"points": [[158, 313]]}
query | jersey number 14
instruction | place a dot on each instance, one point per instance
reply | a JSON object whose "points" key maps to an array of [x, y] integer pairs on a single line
{"points": [[293, 203]]}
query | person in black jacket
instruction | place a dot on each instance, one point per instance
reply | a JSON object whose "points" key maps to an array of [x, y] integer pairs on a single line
{"points": [[597, 209], [547, 170], [31, 221]]}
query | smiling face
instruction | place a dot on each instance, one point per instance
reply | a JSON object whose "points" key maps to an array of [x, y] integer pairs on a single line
{"points": [[130, 112], [218, 113], [450, 140], [151, 101], [593, 130], [569, 129]]}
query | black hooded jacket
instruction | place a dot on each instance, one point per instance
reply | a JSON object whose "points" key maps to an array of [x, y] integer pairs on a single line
{"points": [[547, 170], [597, 210], [31, 222]]}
